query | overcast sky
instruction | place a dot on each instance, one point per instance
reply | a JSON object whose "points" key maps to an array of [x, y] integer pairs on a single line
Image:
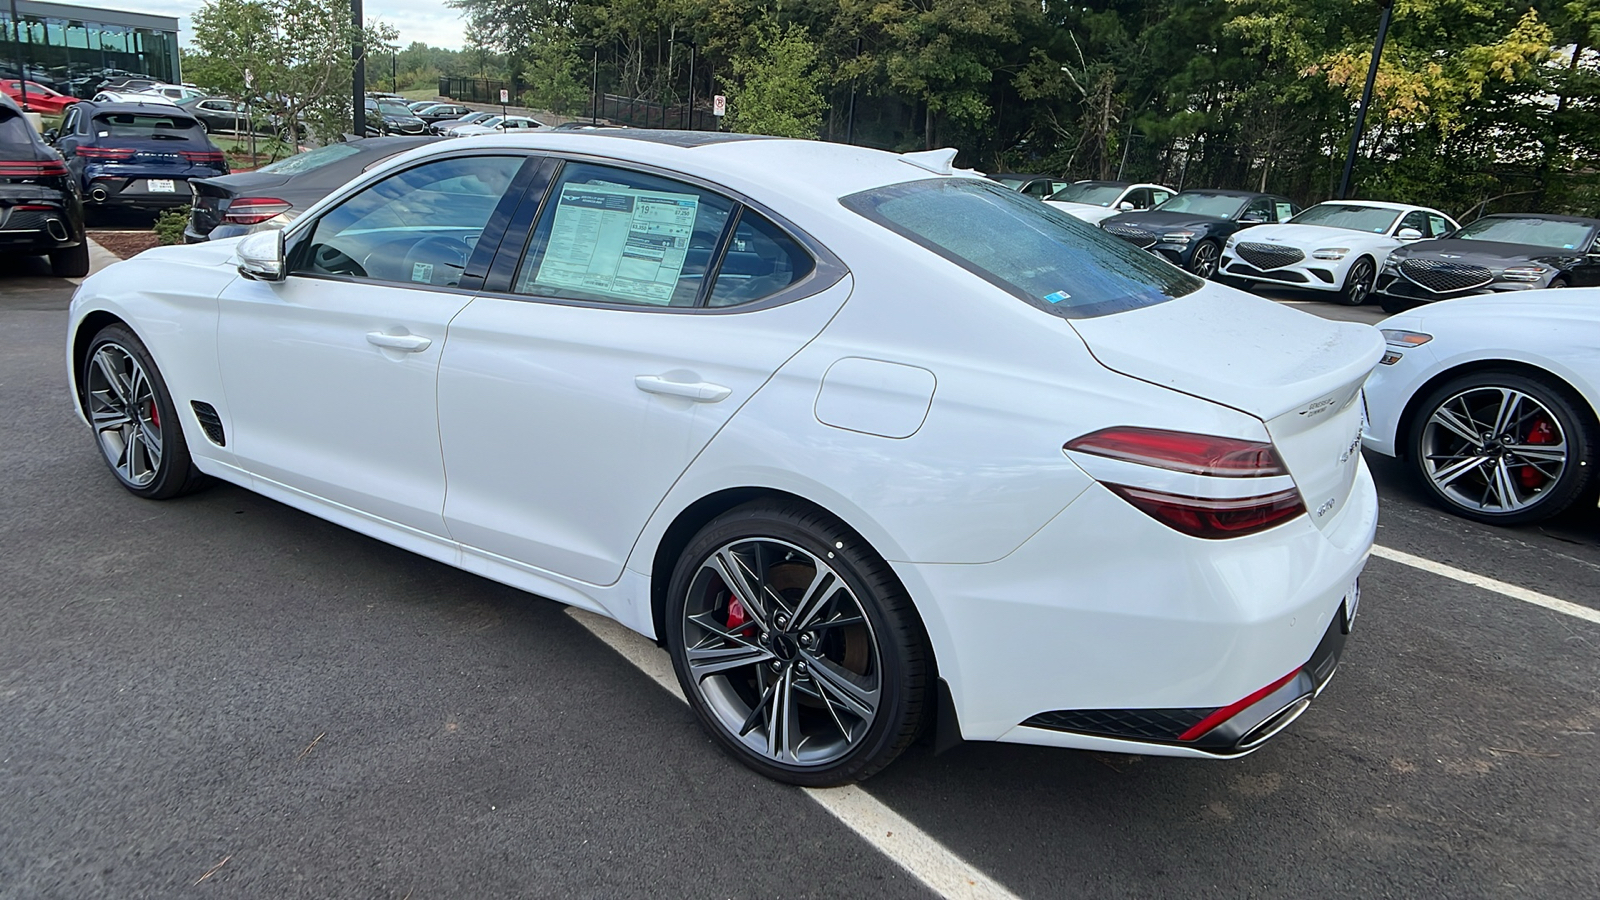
{"points": [[429, 21]]}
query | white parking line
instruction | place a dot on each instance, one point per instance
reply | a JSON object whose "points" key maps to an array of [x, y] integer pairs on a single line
{"points": [[913, 849], [1489, 584]]}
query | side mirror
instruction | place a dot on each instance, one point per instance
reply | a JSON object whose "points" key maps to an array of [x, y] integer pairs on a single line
{"points": [[1409, 234], [261, 256], [50, 135], [1126, 205]]}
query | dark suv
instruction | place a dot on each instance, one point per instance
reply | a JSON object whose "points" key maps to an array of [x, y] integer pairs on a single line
{"points": [[135, 155], [40, 210]]}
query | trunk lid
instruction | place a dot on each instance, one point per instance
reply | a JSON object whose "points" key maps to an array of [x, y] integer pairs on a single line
{"points": [[1299, 374]]}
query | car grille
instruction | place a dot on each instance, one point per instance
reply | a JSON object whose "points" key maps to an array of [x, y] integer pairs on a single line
{"points": [[24, 220], [1443, 277], [1268, 256], [1134, 234]]}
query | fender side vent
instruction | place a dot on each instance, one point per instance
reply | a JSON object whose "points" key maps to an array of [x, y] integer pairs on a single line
{"points": [[210, 422]]}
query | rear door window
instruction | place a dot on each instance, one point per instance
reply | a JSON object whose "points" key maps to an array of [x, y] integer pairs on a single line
{"points": [[611, 235], [1044, 257]]}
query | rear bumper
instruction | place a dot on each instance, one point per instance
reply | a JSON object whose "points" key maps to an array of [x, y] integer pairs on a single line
{"points": [[1106, 611]]}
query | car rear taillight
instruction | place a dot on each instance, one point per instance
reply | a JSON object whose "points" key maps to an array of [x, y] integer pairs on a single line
{"points": [[255, 210], [202, 157], [112, 153], [1214, 518], [1180, 451], [31, 169]]}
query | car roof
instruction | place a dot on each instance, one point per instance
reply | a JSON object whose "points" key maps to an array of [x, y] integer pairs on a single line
{"points": [[122, 106], [1547, 216], [1376, 204], [1225, 193]]}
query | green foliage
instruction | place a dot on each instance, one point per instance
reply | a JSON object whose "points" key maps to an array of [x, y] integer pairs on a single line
{"points": [[553, 73], [1475, 100], [777, 86], [169, 225]]}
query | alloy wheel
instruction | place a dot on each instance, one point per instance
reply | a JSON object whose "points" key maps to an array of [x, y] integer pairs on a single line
{"points": [[1493, 449], [782, 653], [123, 412], [1204, 261], [1358, 284]]}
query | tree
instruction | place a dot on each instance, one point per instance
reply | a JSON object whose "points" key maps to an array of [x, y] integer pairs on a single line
{"points": [[777, 87], [296, 54]]}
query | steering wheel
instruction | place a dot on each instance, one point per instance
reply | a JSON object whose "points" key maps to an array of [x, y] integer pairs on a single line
{"points": [[330, 259], [436, 260]]}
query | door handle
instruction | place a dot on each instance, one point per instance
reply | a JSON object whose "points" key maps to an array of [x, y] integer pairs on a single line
{"points": [[698, 391], [411, 343]]}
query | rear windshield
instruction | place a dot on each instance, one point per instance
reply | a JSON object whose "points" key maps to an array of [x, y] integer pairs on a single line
{"points": [[1043, 256], [1220, 205], [311, 159], [1093, 194], [14, 129], [1538, 232], [161, 126], [1371, 219]]}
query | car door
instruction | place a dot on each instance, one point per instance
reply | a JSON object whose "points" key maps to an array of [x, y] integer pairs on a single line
{"points": [[602, 357], [330, 375]]}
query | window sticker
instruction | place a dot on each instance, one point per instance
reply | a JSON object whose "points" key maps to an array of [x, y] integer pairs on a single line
{"points": [[1285, 212], [1058, 296], [422, 272], [618, 241]]}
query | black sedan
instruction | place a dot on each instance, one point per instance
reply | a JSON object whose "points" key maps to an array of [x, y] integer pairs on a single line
{"points": [[395, 117], [272, 196], [1190, 229], [41, 212], [441, 112], [1510, 252]]}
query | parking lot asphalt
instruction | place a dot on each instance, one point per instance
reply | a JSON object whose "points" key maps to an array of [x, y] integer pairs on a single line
{"points": [[222, 696]]}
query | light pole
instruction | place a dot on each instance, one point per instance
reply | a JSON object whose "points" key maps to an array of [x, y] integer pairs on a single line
{"points": [[1366, 97], [358, 75], [22, 67]]}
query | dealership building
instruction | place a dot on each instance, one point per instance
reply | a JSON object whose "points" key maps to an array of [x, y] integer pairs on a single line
{"points": [[75, 49]]}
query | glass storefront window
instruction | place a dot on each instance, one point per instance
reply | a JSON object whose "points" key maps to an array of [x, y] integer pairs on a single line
{"points": [[77, 57]]}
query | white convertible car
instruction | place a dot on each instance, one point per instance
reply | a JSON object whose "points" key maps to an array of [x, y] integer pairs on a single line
{"points": [[1492, 401], [869, 444], [1336, 247]]}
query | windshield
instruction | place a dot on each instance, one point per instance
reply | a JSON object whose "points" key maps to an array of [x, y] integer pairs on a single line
{"points": [[166, 127], [311, 159], [492, 122], [1092, 194], [1041, 255], [394, 109], [1371, 219], [1220, 205], [1537, 232]]}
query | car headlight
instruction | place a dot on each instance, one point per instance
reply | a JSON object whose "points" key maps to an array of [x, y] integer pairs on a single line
{"points": [[1391, 265], [1178, 237], [1525, 273], [1330, 253]]}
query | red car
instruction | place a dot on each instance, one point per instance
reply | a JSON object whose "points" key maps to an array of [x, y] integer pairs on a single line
{"points": [[40, 98]]}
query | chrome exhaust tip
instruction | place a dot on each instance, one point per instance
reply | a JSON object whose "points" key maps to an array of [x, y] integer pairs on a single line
{"points": [[56, 229], [1273, 724], [98, 194]]}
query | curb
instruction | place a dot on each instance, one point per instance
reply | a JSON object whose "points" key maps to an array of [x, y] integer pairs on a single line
{"points": [[99, 258]]}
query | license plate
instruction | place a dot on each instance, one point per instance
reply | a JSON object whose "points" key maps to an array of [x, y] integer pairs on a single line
{"points": [[1352, 603], [161, 186]]}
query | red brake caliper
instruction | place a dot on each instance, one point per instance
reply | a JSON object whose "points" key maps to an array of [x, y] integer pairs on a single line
{"points": [[1542, 432], [736, 616], [155, 415]]}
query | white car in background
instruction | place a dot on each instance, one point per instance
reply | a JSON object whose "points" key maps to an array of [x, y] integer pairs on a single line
{"points": [[497, 125], [861, 439], [1096, 201], [1492, 401], [1336, 247], [135, 97]]}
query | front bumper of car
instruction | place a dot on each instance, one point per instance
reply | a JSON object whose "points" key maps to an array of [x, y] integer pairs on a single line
{"points": [[1309, 273], [1110, 631], [1393, 284]]}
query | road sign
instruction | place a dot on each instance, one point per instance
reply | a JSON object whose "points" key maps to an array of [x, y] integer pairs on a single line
{"points": [[505, 96], [719, 105]]}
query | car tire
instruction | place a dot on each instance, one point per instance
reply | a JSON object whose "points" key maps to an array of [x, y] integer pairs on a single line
{"points": [[133, 419], [1557, 282], [1358, 282], [822, 682], [1203, 261], [72, 262], [1505, 487]]}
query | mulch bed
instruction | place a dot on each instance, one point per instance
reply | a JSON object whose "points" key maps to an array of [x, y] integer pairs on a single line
{"points": [[125, 243]]}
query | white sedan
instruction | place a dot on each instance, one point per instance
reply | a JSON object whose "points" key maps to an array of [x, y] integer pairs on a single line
{"points": [[1336, 247], [1492, 401], [1096, 201], [864, 441], [496, 125]]}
